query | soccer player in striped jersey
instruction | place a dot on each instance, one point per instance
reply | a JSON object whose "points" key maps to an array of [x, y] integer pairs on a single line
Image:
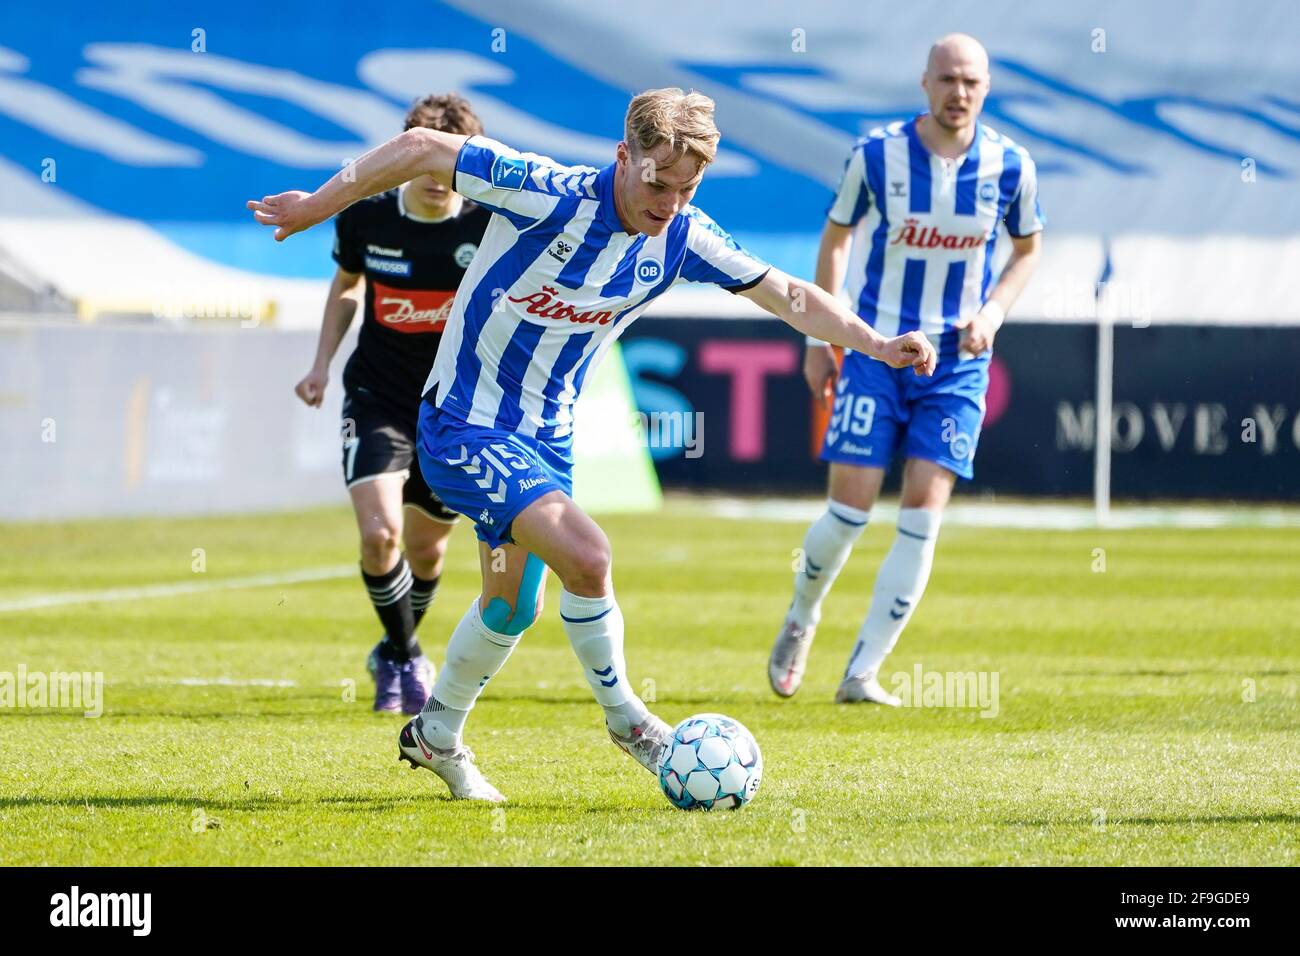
{"points": [[572, 256], [914, 225]]}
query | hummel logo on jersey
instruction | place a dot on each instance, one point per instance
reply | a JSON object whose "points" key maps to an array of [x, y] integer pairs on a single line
{"points": [[509, 173], [896, 188], [382, 251], [560, 249], [484, 517]]}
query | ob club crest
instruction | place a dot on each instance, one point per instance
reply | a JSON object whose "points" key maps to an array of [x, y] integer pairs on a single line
{"points": [[648, 271]]}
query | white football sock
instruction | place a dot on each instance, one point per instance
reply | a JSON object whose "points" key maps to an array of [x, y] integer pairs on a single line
{"points": [[826, 547], [900, 583], [474, 656], [595, 629]]}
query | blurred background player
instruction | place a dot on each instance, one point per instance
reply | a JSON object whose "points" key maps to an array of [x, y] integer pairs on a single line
{"points": [[403, 252], [919, 207], [572, 257]]}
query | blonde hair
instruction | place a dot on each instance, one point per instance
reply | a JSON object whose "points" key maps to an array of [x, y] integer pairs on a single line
{"points": [[682, 120]]}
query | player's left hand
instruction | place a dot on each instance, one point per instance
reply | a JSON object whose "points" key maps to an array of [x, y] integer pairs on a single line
{"points": [[978, 332], [912, 349], [288, 212]]}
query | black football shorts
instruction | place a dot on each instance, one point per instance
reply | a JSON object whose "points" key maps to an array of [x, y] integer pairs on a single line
{"points": [[378, 440]]}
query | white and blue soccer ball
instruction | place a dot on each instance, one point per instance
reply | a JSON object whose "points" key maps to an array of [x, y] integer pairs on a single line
{"points": [[711, 762]]}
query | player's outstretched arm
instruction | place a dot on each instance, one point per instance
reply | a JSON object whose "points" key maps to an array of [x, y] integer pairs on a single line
{"points": [[815, 312], [414, 153]]}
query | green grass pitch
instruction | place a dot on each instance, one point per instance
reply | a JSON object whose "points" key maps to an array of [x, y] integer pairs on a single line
{"points": [[1147, 713]]}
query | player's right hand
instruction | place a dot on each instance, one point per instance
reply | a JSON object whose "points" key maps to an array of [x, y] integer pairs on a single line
{"points": [[819, 370], [912, 349], [288, 212], [312, 387]]}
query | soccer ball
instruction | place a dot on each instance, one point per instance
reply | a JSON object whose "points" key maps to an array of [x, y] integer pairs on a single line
{"points": [[710, 762]]}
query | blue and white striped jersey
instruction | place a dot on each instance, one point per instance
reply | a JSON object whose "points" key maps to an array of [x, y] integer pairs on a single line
{"points": [[926, 227], [555, 281]]}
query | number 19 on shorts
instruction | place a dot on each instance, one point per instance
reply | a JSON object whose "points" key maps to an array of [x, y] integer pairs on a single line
{"points": [[853, 414]]}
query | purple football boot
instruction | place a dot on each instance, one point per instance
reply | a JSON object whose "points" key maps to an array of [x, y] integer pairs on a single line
{"points": [[417, 683], [389, 682]]}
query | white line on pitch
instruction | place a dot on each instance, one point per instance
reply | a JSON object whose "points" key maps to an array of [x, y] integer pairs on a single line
{"points": [[171, 590], [225, 682], [1050, 516]]}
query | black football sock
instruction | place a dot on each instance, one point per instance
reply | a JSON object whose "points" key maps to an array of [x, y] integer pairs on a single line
{"points": [[422, 594], [391, 595]]}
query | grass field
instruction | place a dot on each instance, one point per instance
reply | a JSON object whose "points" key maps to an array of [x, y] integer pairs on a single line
{"points": [[1147, 714]]}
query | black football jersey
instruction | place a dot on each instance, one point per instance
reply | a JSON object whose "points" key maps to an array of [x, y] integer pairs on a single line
{"points": [[412, 271]]}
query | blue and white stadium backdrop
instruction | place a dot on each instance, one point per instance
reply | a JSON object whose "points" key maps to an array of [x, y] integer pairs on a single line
{"points": [[1161, 125], [1167, 138]]}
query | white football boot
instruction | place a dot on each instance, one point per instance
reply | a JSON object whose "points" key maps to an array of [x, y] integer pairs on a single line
{"points": [[790, 657], [456, 768], [645, 742], [865, 690]]}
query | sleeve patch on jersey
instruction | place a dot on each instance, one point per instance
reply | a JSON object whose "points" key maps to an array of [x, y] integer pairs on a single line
{"points": [[509, 172]]}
